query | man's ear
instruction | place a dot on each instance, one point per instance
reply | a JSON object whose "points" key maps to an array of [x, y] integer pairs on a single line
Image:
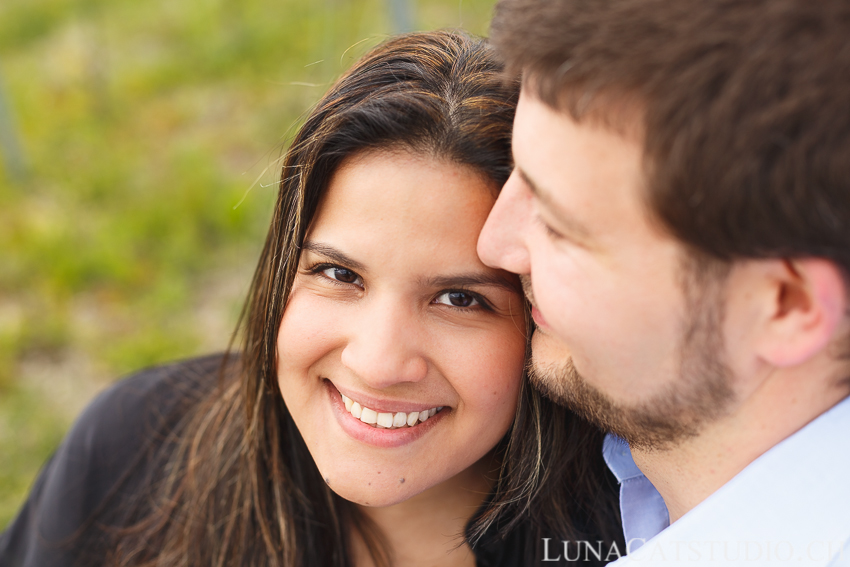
{"points": [[805, 306]]}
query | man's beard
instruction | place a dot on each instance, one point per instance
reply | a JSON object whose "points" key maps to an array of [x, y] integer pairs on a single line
{"points": [[701, 392]]}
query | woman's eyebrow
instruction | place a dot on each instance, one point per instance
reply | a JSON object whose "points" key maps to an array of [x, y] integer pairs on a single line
{"points": [[332, 254], [472, 279]]}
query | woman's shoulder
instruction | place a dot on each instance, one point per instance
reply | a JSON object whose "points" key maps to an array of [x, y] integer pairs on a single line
{"points": [[119, 417], [135, 412], [106, 451]]}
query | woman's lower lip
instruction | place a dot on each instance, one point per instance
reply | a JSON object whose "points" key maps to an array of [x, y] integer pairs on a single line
{"points": [[539, 320], [373, 435]]}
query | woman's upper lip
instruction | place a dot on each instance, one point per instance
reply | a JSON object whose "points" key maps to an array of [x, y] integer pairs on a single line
{"points": [[383, 404]]}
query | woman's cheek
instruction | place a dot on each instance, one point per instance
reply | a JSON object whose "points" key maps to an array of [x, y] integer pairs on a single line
{"points": [[488, 371], [310, 329]]}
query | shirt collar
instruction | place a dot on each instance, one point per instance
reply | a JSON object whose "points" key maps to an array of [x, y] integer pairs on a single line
{"points": [[618, 457], [794, 499], [642, 510]]}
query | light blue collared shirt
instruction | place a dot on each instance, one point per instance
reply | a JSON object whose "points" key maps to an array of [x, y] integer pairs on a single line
{"points": [[791, 506]]}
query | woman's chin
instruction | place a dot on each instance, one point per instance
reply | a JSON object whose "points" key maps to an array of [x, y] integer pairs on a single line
{"points": [[373, 493]]}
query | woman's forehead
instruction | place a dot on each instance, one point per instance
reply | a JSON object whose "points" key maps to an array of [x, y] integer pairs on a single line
{"points": [[394, 200], [398, 175]]}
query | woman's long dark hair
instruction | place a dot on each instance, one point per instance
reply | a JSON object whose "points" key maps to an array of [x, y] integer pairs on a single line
{"points": [[234, 483]]}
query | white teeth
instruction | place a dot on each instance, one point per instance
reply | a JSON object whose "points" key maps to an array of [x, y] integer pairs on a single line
{"points": [[369, 416], [387, 420], [399, 419]]}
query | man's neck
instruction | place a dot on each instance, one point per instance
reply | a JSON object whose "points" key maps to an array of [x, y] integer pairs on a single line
{"points": [[689, 472]]}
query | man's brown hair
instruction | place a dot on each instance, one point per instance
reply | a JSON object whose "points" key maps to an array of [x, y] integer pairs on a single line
{"points": [[745, 109]]}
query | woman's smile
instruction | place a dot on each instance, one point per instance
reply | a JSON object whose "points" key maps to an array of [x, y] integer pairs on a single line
{"points": [[387, 414], [361, 422]]}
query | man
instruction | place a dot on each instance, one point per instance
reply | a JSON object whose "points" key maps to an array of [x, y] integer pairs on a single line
{"points": [[680, 208]]}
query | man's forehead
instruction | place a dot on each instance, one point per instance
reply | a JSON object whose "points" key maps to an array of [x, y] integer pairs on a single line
{"points": [[550, 146], [621, 112], [580, 171]]}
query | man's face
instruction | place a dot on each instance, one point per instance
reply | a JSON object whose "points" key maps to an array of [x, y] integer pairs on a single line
{"points": [[626, 334]]}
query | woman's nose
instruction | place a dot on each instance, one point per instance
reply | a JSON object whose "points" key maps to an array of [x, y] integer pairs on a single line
{"points": [[385, 345]]}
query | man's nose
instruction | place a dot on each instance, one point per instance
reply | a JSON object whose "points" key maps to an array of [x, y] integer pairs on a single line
{"points": [[385, 345], [502, 240]]}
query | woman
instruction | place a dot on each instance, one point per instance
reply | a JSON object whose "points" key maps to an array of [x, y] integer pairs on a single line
{"points": [[365, 420]]}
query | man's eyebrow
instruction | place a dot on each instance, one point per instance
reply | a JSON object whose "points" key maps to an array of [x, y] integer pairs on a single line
{"points": [[569, 222], [472, 279], [332, 254]]}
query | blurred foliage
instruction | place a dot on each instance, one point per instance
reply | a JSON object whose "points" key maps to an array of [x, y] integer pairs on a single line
{"points": [[144, 126]]}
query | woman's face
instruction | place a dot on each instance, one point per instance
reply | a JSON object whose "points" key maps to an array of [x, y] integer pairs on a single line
{"points": [[400, 354]]}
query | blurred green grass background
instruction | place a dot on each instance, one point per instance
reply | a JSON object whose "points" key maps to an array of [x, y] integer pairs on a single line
{"points": [[150, 132]]}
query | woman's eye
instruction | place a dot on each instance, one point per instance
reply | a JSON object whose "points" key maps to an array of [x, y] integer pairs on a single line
{"points": [[457, 299], [341, 275]]}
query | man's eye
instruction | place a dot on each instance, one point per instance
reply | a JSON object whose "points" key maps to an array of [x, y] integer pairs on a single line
{"points": [[550, 232], [341, 275], [457, 299]]}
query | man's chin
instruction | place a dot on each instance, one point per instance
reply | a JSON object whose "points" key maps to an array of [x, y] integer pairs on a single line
{"points": [[653, 424], [548, 349], [556, 378], [551, 367]]}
